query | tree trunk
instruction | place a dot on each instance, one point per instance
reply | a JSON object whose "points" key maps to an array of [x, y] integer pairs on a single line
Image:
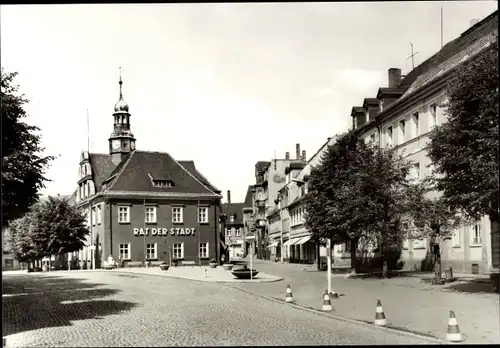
{"points": [[437, 263], [318, 258], [495, 240], [384, 262], [354, 247]]}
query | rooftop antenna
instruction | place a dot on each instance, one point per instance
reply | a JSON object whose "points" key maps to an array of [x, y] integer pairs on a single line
{"points": [[441, 26], [412, 57], [274, 159]]}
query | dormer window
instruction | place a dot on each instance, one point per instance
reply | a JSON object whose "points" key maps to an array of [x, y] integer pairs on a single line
{"points": [[165, 183], [231, 218], [162, 183]]}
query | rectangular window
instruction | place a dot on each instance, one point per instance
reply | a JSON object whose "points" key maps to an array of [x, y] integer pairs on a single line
{"points": [[99, 214], [203, 215], [416, 124], [178, 251], [124, 251], [123, 214], [150, 214], [455, 239], [476, 235], [231, 218], [419, 244], [151, 251], [93, 216], [238, 232], [415, 171], [177, 214], [402, 129], [433, 116], [204, 250], [389, 136]]}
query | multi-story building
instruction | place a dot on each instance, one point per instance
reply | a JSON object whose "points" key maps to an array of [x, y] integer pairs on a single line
{"points": [[143, 205], [269, 178], [235, 225], [405, 113], [288, 232]]}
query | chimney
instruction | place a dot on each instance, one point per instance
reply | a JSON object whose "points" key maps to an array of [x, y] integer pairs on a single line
{"points": [[228, 197], [394, 77], [473, 22], [304, 155], [287, 155], [297, 149], [329, 138]]}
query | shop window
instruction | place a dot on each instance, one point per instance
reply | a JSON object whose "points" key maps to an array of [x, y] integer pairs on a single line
{"points": [[204, 250], [123, 214], [203, 215], [177, 215], [125, 251]]}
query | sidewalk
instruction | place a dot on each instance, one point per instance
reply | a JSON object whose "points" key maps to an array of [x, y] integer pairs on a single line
{"points": [[217, 275], [407, 301]]}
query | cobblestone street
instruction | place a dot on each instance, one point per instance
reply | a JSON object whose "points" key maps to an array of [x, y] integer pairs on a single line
{"points": [[116, 309]]}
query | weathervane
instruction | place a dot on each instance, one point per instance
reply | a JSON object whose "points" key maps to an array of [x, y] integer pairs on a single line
{"points": [[412, 56]]}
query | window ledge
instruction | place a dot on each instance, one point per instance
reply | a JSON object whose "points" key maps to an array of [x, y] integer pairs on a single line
{"points": [[456, 246], [476, 245], [153, 259], [124, 223], [204, 258], [419, 248], [125, 260], [178, 223], [150, 223], [203, 223]]}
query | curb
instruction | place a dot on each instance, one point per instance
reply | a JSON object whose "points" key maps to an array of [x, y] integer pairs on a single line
{"points": [[390, 328]]}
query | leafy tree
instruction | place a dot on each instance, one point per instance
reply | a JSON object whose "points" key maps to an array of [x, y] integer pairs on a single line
{"points": [[433, 219], [464, 150], [52, 227], [22, 166], [355, 193]]}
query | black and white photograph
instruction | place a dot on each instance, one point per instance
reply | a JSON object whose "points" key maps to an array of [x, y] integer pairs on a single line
{"points": [[250, 174]]}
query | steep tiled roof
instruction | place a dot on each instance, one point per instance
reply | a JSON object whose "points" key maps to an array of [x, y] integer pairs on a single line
{"points": [[102, 167], [261, 165], [237, 210], [132, 174], [468, 44], [189, 165], [248, 197]]}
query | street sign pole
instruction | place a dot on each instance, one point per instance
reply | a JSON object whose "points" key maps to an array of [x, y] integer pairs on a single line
{"points": [[329, 265]]}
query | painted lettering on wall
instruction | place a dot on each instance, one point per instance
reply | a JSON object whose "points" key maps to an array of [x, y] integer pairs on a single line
{"points": [[179, 231]]}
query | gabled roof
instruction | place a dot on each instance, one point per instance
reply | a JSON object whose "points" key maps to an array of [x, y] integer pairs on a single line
{"points": [[132, 174], [261, 165], [248, 197], [237, 210], [102, 167], [189, 165]]}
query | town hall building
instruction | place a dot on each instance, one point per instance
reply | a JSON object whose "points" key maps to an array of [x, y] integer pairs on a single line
{"points": [[145, 206]]}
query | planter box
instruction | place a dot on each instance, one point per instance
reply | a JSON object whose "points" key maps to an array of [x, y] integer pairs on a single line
{"points": [[244, 273], [227, 266], [164, 267], [212, 265]]}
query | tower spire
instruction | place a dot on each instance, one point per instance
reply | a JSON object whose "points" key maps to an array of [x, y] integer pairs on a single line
{"points": [[120, 82]]}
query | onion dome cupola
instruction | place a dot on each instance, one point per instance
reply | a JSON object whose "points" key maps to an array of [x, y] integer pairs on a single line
{"points": [[121, 141]]}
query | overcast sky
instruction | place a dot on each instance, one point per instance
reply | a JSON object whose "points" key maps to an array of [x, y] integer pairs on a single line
{"points": [[225, 85]]}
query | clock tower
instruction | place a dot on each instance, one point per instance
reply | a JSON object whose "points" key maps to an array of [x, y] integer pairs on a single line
{"points": [[121, 141]]}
